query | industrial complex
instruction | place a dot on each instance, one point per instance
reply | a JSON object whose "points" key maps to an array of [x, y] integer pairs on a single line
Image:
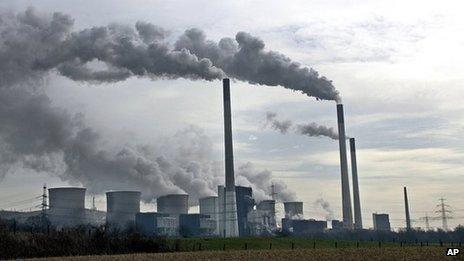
{"points": [[233, 212]]}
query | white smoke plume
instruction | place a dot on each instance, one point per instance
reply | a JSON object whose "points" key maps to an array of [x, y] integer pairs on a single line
{"points": [[35, 134], [310, 129], [325, 205]]}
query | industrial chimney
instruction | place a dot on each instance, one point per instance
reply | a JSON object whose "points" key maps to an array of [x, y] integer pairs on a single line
{"points": [[406, 208], [356, 201], [346, 198], [230, 205]]}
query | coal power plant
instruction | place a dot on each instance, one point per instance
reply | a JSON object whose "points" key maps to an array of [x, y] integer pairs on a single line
{"points": [[173, 177], [233, 212]]}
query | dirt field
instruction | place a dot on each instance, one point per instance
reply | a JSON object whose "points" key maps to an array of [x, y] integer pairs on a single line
{"points": [[392, 253]]}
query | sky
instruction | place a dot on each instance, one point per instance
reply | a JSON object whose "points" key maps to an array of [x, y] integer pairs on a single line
{"points": [[396, 64]]}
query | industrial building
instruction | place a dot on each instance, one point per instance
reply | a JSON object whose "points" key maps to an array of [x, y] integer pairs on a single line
{"points": [[192, 225], [381, 222], [305, 227], [337, 225], [153, 224], [245, 203]]}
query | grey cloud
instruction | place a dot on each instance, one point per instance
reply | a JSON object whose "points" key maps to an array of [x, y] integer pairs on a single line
{"points": [[309, 129], [245, 59]]}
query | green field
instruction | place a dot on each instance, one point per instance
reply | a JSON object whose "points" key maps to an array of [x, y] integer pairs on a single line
{"points": [[195, 244]]}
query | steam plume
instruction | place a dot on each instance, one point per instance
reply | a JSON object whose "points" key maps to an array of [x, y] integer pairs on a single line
{"points": [[325, 205], [310, 129]]}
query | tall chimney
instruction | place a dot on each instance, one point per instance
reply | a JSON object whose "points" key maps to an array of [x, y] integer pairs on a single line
{"points": [[230, 205], [346, 198], [406, 208], [356, 201]]}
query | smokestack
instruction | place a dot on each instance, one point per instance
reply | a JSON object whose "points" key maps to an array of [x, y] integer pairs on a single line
{"points": [[346, 198], [406, 209], [228, 145], [230, 205], [356, 201]]}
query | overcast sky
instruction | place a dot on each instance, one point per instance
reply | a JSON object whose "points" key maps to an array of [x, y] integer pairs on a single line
{"points": [[397, 65]]}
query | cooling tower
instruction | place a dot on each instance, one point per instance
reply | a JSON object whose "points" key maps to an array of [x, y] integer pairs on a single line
{"points": [[209, 206], [406, 208], [121, 208], [267, 210], [293, 210], [230, 205], [66, 206], [356, 200], [346, 198], [173, 204]]}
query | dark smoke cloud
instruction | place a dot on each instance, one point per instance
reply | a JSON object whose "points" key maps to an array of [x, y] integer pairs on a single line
{"points": [[310, 129], [36, 135], [281, 126], [244, 58]]}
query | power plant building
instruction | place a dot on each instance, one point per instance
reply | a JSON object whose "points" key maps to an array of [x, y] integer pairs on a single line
{"points": [[305, 227], [245, 203], [156, 224], [381, 222], [191, 225], [337, 225], [121, 207]]}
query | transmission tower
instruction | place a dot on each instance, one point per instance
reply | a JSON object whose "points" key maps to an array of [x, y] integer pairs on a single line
{"points": [[44, 206], [427, 224], [443, 211]]}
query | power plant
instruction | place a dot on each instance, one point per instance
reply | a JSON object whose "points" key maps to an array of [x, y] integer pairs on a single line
{"points": [[232, 213]]}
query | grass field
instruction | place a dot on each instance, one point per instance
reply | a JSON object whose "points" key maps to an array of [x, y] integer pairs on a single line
{"points": [[371, 253], [194, 244]]}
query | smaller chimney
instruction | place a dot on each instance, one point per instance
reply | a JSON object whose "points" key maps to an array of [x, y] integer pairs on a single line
{"points": [[406, 208], [356, 200]]}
